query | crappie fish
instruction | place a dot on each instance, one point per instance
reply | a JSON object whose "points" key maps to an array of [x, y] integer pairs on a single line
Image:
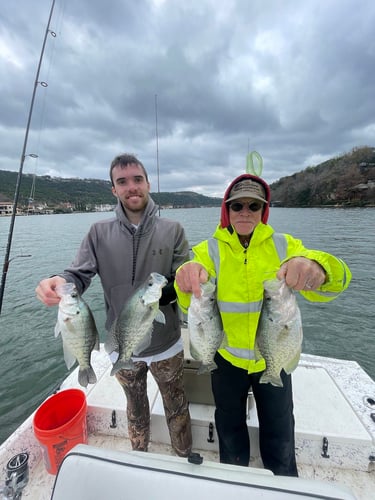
{"points": [[80, 336], [205, 327], [279, 335], [131, 332]]}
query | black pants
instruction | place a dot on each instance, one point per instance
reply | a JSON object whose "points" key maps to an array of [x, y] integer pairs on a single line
{"points": [[230, 386]]}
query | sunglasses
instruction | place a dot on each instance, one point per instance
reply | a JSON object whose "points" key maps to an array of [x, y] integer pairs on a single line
{"points": [[254, 206]]}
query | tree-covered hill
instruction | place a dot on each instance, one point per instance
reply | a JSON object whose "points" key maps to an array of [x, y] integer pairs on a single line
{"points": [[347, 180], [85, 193]]}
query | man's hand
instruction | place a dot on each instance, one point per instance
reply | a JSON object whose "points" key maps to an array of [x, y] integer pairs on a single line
{"points": [[302, 274], [190, 276], [46, 290]]}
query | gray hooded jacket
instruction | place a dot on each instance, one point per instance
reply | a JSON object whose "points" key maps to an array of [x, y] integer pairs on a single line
{"points": [[124, 257]]}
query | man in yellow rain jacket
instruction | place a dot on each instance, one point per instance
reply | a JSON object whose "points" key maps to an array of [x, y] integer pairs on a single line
{"points": [[243, 253]]}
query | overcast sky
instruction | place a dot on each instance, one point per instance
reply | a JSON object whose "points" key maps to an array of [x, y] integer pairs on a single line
{"points": [[293, 80]]}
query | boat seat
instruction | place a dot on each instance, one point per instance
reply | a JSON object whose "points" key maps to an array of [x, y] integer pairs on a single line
{"points": [[89, 473]]}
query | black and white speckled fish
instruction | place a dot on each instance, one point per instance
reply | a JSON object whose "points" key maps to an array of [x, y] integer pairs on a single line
{"points": [[279, 335], [76, 324], [131, 332], [206, 333]]}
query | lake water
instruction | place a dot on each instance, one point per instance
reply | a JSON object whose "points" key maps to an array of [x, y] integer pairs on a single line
{"points": [[31, 359]]}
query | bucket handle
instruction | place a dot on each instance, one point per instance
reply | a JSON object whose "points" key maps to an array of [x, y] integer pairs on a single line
{"points": [[73, 438]]}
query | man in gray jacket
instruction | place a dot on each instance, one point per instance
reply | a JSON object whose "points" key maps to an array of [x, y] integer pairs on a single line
{"points": [[123, 251]]}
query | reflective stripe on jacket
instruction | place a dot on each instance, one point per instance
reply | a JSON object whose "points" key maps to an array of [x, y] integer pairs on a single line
{"points": [[239, 274]]}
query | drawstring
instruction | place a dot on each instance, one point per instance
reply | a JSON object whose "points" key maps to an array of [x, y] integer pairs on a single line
{"points": [[136, 240]]}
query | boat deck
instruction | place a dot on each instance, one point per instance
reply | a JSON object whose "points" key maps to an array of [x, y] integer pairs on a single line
{"points": [[334, 401], [362, 484]]}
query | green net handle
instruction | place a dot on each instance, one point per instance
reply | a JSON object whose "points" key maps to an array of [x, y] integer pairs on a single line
{"points": [[254, 164]]}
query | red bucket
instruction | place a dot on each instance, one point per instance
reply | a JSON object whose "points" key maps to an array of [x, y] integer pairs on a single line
{"points": [[59, 424]]}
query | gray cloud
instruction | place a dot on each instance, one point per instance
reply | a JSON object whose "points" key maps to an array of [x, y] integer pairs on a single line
{"points": [[292, 80]]}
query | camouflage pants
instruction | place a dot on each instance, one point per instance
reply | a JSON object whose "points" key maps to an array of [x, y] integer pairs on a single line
{"points": [[168, 374]]}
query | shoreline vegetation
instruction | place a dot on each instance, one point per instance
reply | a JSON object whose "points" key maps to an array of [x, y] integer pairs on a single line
{"points": [[61, 212], [346, 181]]}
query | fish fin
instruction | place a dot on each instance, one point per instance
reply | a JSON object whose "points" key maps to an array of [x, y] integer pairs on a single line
{"points": [[293, 363], [194, 352], [57, 330], [97, 343], [257, 354], [86, 376], [109, 347], [122, 365], [111, 343], [224, 342], [160, 318], [268, 378], [204, 368], [69, 357]]}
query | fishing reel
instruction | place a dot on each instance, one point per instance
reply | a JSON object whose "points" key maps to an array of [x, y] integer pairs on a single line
{"points": [[17, 477]]}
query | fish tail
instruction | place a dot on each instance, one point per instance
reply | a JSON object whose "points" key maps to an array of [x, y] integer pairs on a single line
{"points": [[86, 376], [269, 378], [122, 365]]}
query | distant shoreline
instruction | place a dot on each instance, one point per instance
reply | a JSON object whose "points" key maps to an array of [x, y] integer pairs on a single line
{"points": [[344, 207]]}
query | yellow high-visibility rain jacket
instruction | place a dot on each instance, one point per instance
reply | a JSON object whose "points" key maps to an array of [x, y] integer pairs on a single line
{"points": [[239, 273]]}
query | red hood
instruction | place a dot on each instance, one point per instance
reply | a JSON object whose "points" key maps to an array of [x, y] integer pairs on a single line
{"points": [[224, 219]]}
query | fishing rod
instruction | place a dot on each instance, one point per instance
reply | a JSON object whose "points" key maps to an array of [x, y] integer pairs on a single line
{"points": [[157, 147], [23, 157]]}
